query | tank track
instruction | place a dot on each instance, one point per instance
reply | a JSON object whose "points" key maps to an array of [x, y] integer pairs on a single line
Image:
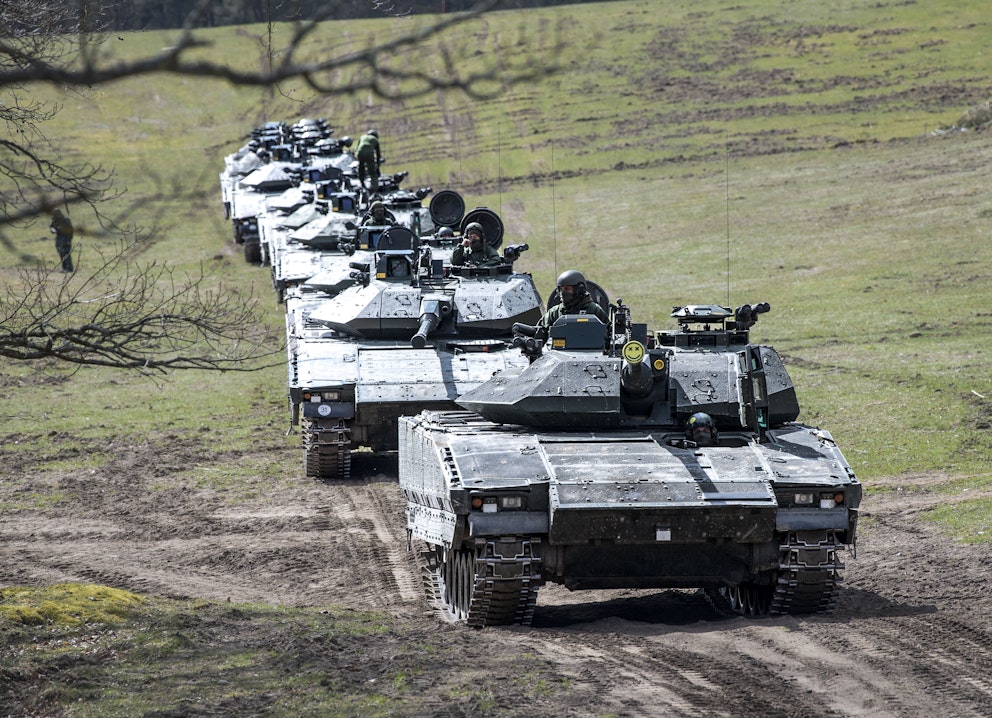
{"points": [[809, 573], [494, 583], [806, 582], [326, 449]]}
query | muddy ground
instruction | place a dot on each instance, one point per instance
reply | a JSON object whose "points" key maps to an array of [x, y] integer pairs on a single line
{"points": [[910, 635]]}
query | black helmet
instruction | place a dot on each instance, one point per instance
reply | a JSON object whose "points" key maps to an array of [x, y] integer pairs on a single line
{"points": [[445, 232], [570, 278], [475, 227], [701, 429], [376, 205], [373, 132]]}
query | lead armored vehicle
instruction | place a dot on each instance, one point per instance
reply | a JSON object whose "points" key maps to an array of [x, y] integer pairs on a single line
{"points": [[617, 459], [411, 333]]}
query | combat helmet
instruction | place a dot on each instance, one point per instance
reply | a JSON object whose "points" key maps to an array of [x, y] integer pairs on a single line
{"points": [[701, 429], [572, 278]]}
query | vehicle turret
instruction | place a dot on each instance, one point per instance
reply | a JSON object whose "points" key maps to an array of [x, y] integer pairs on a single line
{"points": [[608, 375], [401, 293]]}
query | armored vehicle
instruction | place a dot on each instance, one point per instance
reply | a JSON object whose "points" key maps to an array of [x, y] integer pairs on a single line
{"points": [[618, 459], [410, 333], [280, 169], [317, 252]]}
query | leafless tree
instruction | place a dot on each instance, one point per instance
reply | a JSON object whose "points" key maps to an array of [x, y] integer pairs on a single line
{"points": [[145, 317], [131, 316]]}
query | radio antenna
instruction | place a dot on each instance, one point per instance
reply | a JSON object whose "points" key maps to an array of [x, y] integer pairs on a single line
{"points": [[726, 179], [554, 210], [499, 171]]}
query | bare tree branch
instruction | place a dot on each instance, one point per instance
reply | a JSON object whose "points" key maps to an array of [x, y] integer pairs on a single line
{"points": [[91, 67], [147, 317], [134, 316]]}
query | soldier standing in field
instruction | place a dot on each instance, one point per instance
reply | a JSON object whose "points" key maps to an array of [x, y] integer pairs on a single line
{"points": [[61, 226], [369, 158]]}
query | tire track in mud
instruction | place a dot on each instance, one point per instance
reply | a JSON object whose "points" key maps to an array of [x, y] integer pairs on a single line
{"points": [[905, 666], [374, 533], [947, 663], [848, 675], [646, 670]]}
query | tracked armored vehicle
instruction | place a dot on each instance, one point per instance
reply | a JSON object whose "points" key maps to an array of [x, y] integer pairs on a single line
{"points": [[411, 333], [617, 459]]}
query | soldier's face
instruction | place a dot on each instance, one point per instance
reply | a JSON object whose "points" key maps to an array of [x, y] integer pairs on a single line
{"points": [[476, 239], [567, 290]]}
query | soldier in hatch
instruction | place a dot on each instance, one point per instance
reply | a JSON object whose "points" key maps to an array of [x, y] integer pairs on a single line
{"points": [[474, 251], [575, 299], [378, 215]]}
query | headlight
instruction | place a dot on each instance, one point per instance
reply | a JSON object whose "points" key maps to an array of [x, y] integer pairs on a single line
{"points": [[492, 504], [810, 499], [829, 501], [318, 396]]}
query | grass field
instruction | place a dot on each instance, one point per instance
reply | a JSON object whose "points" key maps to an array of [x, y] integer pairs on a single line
{"points": [[778, 150], [708, 153]]}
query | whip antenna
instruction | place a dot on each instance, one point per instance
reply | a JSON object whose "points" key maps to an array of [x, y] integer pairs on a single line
{"points": [[499, 171], [726, 179], [554, 210]]}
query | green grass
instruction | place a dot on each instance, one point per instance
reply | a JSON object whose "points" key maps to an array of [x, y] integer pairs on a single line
{"points": [[672, 148], [104, 652], [968, 521], [66, 605]]}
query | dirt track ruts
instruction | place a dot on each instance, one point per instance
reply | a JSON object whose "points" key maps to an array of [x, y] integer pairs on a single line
{"points": [[910, 635]]}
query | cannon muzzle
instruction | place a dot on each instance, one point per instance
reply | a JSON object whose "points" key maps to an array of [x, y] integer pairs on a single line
{"points": [[428, 323], [432, 308], [636, 379]]}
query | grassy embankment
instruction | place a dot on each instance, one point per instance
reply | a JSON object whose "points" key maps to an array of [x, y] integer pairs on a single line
{"points": [[675, 145]]}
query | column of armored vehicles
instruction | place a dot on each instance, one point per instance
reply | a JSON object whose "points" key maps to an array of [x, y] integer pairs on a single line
{"points": [[591, 454]]}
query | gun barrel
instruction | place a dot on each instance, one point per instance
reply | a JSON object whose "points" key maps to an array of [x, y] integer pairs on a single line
{"points": [[432, 308], [636, 379], [428, 323]]}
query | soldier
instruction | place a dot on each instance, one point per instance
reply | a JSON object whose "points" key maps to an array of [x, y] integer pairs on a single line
{"points": [[369, 158], [575, 299], [474, 251], [378, 215], [701, 430], [61, 227]]}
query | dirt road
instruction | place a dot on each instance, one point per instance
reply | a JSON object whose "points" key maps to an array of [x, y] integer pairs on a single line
{"points": [[910, 636]]}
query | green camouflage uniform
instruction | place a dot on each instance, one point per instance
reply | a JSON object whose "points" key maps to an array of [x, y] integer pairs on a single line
{"points": [[484, 256], [585, 304], [369, 156], [63, 230]]}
